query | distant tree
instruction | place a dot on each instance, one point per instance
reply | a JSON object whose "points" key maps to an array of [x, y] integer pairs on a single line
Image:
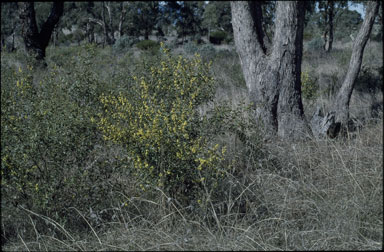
{"points": [[268, 20], [146, 16], [341, 105], [328, 10], [187, 17], [346, 23], [123, 11], [9, 23], [217, 16], [107, 21], [89, 23], [102, 14], [36, 42], [210, 17]]}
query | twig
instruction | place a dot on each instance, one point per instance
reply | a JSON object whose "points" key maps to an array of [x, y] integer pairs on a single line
{"points": [[54, 223], [23, 242], [88, 225]]}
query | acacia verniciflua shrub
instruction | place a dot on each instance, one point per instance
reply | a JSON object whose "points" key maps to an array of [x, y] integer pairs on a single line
{"points": [[160, 126], [308, 86]]}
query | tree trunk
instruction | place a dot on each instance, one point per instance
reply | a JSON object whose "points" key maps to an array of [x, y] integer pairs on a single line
{"points": [[122, 18], [90, 28], [273, 78], [90, 32], [107, 39], [36, 42], [54, 37], [110, 27], [329, 27], [341, 105]]}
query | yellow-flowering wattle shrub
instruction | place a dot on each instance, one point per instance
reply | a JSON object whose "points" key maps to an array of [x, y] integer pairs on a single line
{"points": [[308, 86], [157, 120]]}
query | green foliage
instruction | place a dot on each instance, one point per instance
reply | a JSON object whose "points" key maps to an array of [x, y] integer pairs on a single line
{"points": [[160, 126], [142, 17], [187, 17], [191, 48], [59, 56], [149, 45], [9, 20], [124, 43], [49, 158], [197, 39], [217, 37], [343, 56], [308, 86], [228, 39], [369, 80], [308, 35], [316, 44], [217, 14], [346, 22], [207, 51]]}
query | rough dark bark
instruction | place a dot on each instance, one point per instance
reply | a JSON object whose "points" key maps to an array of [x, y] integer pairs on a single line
{"points": [[36, 42], [90, 28], [341, 105], [328, 35], [273, 74]]}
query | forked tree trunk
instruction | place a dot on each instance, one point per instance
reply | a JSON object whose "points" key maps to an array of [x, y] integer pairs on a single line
{"points": [[343, 97], [36, 42], [273, 76]]}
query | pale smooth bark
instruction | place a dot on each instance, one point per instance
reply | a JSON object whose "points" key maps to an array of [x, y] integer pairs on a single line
{"points": [[273, 74], [343, 97]]}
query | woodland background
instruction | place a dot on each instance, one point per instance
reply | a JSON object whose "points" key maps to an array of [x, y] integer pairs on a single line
{"points": [[73, 179]]}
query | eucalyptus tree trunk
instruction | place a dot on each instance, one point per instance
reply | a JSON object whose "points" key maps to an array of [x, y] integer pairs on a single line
{"points": [[123, 11], [107, 36], [328, 35], [272, 75], [36, 42], [343, 97], [110, 26]]}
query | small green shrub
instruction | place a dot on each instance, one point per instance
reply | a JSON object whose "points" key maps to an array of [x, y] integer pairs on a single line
{"points": [[228, 40], [343, 57], [369, 80], [124, 43], [49, 155], [160, 126], [207, 51], [148, 45], [316, 44], [308, 35], [217, 37], [308, 86], [191, 48]]}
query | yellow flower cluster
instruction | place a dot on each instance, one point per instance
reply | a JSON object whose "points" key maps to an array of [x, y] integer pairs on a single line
{"points": [[23, 84], [158, 122]]}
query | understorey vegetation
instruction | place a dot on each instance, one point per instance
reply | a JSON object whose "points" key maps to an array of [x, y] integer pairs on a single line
{"points": [[126, 149]]}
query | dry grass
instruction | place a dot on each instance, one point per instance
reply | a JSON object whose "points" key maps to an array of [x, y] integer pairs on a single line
{"points": [[314, 195], [317, 195]]}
